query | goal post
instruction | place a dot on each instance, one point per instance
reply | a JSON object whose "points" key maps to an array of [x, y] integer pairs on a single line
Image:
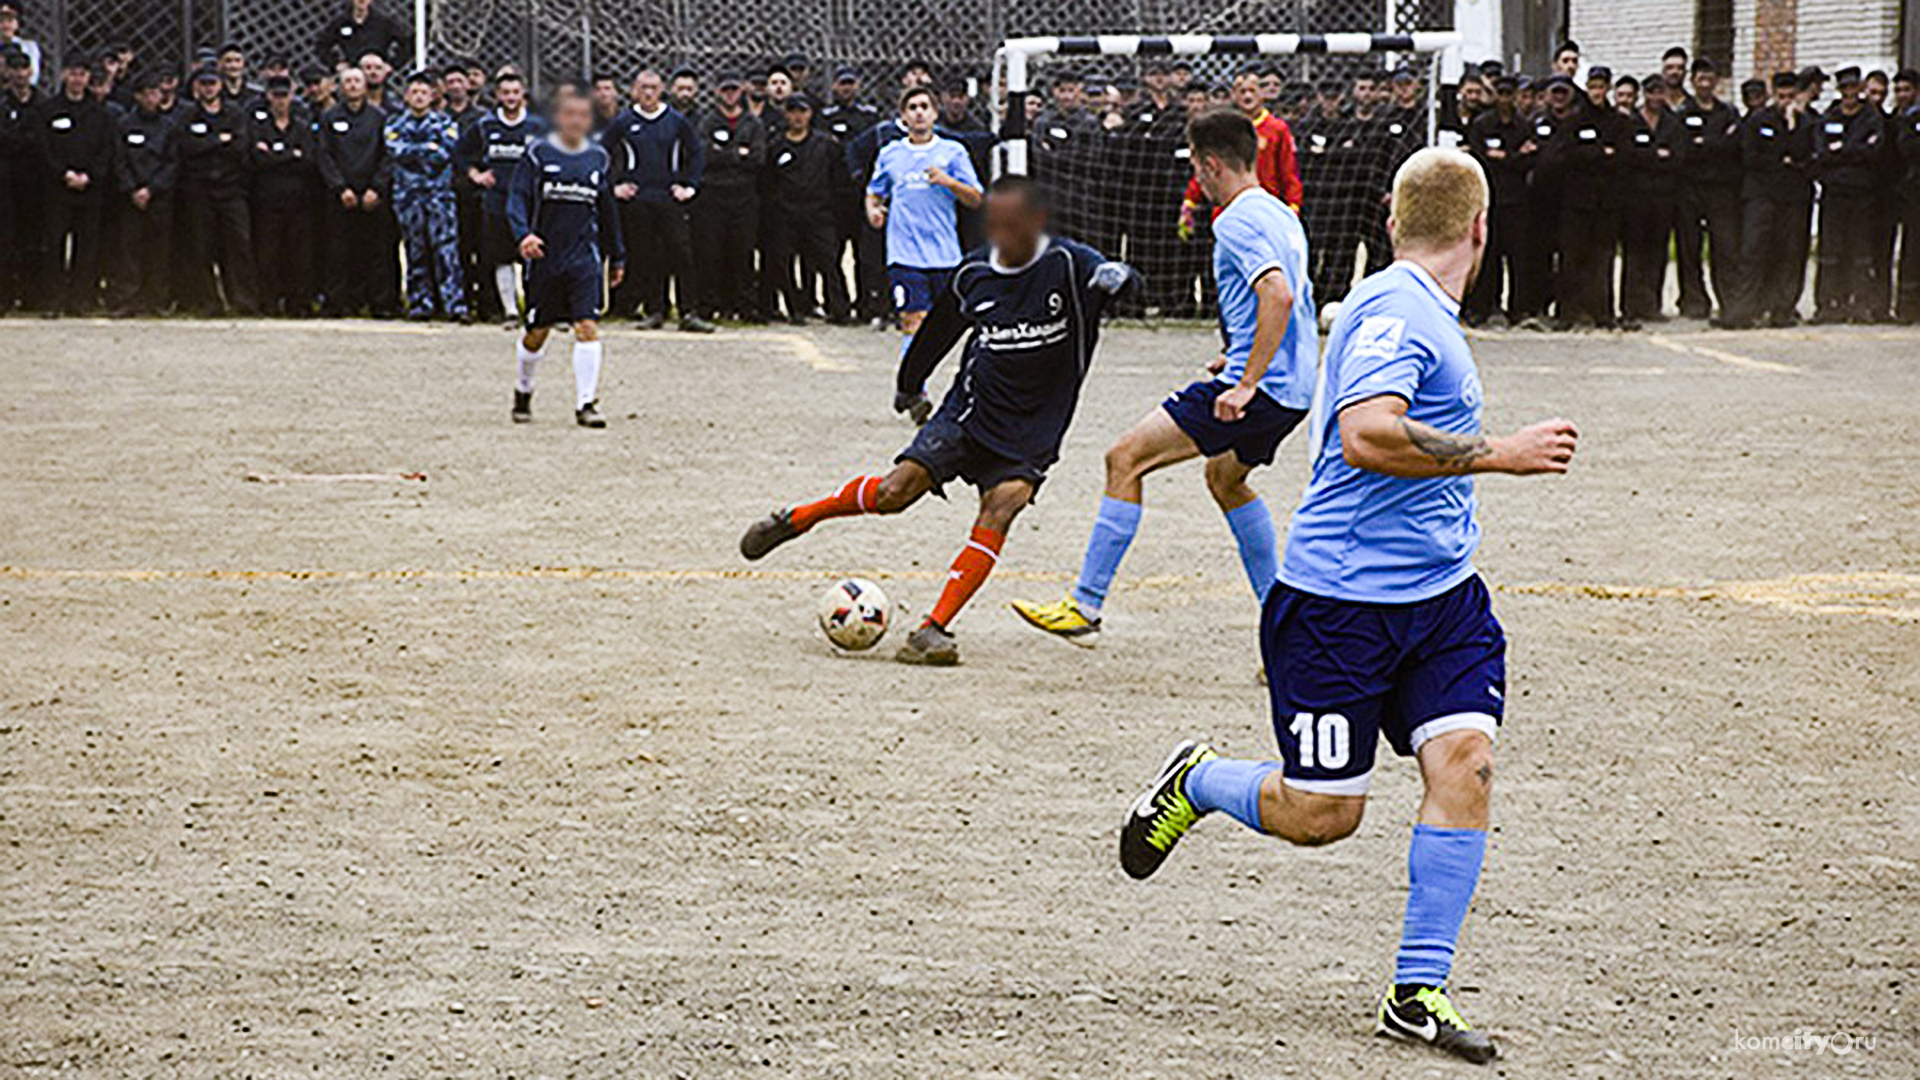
{"points": [[1013, 64], [1106, 139]]}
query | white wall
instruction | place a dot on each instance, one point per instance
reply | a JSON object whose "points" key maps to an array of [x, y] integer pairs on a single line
{"points": [[1629, 35], [1831, 33]]}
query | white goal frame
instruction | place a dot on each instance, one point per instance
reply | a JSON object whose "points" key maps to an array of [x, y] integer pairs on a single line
{"points": [[1011, 62]]}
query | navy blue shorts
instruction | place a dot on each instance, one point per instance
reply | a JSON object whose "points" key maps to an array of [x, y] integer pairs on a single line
{"points": [[565, 296], [944, 449], [1343, 673], [914, 288], [1253, 438]]}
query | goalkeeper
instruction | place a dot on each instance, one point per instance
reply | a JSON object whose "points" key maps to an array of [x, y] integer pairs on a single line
{"points": [[1275, 165]]}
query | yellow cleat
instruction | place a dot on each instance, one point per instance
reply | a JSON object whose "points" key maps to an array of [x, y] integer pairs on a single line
{"points": [[1063, 619]]}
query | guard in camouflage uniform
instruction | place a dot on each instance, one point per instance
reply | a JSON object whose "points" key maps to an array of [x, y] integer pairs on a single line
{"points": [[420, 141]]}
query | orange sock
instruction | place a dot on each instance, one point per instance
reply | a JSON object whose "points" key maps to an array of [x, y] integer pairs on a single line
{"points": [[855, 498], [970, 570]]}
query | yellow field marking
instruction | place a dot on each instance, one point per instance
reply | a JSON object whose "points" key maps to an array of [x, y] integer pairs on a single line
{"points": [[1731, 359], [1884, 594]]}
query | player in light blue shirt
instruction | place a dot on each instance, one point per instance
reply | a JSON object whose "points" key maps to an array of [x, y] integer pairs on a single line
{"points": [[1379, 625], [918, 183], [1261, 388]]}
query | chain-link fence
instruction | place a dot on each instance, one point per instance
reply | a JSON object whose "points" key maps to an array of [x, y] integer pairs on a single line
{"points": [[554, 40]]}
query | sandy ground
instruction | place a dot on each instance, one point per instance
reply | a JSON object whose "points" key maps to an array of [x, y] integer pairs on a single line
{"points": [[519, 771]]}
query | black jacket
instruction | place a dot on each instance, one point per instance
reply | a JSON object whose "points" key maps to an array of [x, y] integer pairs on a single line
{"points": [[1506, 174], [1649, 165], [802, 175], [213, 150], [75, 136], [147, 157], [1712, 157], [1777, 155], [1576, 159], [736, 152], [286, 168], [343, 41], [353, 149], [1846, 148]]}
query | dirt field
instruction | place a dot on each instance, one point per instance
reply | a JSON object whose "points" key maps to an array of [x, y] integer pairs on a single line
{"points": [[519, 771]]}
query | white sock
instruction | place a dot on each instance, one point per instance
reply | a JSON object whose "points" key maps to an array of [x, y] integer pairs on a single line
{"points": [[503, 283], [586, 373], [529, 360]]}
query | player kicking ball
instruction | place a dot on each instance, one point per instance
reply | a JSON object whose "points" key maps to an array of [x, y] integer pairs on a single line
{"points": [[1236, 419], [1034, 302], [1379, 624], [564, 219]]}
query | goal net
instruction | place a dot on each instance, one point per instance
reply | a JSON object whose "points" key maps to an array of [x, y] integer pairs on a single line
{"points": [[1100, 121]]}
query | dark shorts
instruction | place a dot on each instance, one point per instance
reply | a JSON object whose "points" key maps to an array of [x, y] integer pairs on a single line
{"points": [[496, 241], [1253, 438], [945, 449], [914, 288], [565, 296], [1343, 673]]}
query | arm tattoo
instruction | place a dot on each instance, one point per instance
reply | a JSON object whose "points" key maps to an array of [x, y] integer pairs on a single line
{"points": [[1453, 453], [1485, 773]]}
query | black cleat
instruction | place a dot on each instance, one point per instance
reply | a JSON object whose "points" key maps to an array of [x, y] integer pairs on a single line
{"points": [[768, 533], [1422, 1014], [523, 406], [588, 415], [1162, 814]]}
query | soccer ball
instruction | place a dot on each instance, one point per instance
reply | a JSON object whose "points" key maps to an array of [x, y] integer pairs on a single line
{"points": [[854, 614]]}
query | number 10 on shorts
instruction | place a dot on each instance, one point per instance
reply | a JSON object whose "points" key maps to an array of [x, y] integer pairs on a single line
{"points": [[1324, 740]]}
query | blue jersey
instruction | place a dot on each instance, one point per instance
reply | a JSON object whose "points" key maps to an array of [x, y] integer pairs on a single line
{"points": [[565, 198], [1366, 536], [421, 149], [1257, 234], [493, 144], [922, 226]]}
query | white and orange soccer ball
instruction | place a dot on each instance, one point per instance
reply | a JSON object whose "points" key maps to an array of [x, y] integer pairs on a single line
{"points": [[854, 614]]}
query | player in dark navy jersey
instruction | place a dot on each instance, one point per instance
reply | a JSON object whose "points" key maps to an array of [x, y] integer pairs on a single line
{"points": [[561, 210], [1034, 302], [489, 153]]}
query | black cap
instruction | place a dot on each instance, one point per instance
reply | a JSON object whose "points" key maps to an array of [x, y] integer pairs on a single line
{"points": [[1556, 80], [279, 84], [683, 72], [1599, 73], [728, 78], [1704, 66], [799, 101], [846, 73], [1847, 76], [75, 60], [276, 60], [1812, 73], [1522, 81], [1785, 80], [1506, 82], [14, 56], [1330, 87], [313, 73], [797, 59], [1627, 80], [1403, 73], [1158, 67], [204, 72], [1654, 81]]}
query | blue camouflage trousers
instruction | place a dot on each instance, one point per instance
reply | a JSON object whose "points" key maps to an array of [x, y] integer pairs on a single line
{"points": [[430, 227]]}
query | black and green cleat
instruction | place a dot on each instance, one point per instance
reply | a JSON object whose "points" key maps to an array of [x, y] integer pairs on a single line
{"points": [[768, 533], [1422, 1014], [1162, 814]]}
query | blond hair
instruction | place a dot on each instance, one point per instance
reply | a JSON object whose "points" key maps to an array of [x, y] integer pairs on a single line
{"points": [[1436, 196]]}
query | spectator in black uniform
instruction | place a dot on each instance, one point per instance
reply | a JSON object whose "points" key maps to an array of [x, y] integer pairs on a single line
{"points": [[1846, 151], [1650, 169], [283, 152], [1710, 194], [806, 171], [1576, 158], [487, 154], [213, 199], [1502, 139], [364, 237], [1906, 124], [726, 216], [147, 169], [23, 176], [359, 30], [847, 119], [1065, 147], [683, 93], [1776, 152], [76, 144]]}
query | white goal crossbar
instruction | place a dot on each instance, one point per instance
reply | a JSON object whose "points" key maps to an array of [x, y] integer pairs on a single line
{"points": [[1011, 63]]}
